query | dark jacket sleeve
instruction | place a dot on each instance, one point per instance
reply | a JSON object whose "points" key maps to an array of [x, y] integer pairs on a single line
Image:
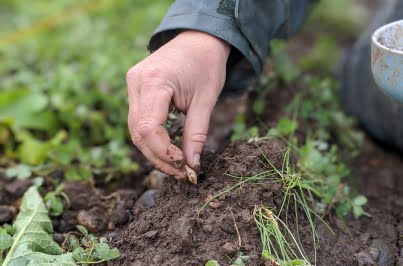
{"points": [[248, 25]]}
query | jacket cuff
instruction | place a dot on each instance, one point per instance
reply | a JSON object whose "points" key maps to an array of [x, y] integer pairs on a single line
{"points": [[196, 16]]}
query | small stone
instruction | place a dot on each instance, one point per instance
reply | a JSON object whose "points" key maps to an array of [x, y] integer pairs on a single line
{"points": [[157, 259], [208, 228], [375, 253], [387, 256], [246, 216], [147, 200], [151, 234], [215, 204], [18, 187], [155, 180], [230, 248], [365, 259], [59, 238], [365, 238], [7, 213], [93, 220]]}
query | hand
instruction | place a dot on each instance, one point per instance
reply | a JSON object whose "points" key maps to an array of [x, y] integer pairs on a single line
{"points": [[188, 71]]}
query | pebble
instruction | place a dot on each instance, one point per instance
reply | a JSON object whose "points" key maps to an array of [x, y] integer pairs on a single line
{"points": [[375, 253], [151, 234], [246, 216], [6, 214], [146, 200], [157, 259], [215, 204], [208, 228], [94, 219], [365, 259], [18, 187], [230, 248], [386, 257], [365, 238], [155, 180], [59, 238]]}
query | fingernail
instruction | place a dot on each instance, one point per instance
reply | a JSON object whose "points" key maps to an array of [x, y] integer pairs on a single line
{"points": [[196, 162]]}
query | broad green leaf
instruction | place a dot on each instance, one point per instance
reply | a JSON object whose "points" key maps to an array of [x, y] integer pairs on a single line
{"points": [[23, 108], [360, 200], [5, 241], [34, 151], [212, 263], [104, 252], [33, 244], [20, 171]]}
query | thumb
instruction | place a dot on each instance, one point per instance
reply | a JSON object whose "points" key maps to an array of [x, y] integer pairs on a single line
{"points": [[195, 133]]}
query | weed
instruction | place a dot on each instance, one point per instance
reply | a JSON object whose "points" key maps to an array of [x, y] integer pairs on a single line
{"points": [[54, 200], [90, 249], [280, 247]]}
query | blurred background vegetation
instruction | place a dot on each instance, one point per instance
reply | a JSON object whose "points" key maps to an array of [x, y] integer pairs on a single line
{"points": [[62, 79]]}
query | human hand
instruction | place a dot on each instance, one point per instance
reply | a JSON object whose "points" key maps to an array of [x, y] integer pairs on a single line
{"points": [[188, 71]]}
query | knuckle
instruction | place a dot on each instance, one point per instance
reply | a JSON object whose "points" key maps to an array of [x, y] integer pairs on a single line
{"points": [[198, 137], [144, 128], [130, 75]]}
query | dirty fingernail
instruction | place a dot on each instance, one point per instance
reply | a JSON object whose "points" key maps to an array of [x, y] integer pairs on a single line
{"points": [[196, 162]]}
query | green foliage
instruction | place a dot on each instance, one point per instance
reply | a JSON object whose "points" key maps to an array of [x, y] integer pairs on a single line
{"points": [[342, 18], [212, 263], [63, 95], [323, 56], [91, 249], [280, 247], [32, 242], [241, 132], [284, 127], [54, 200], [29, 240], [282, 65]]}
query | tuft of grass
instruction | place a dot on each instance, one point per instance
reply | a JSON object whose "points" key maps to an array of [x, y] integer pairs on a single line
{"points": [[280, 247]]}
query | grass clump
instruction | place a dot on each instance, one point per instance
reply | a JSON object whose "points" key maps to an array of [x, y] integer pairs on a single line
{"points": [[280, 247]]}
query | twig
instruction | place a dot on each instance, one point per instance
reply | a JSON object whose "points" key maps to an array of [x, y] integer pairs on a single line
{"points": [[236, 229]]}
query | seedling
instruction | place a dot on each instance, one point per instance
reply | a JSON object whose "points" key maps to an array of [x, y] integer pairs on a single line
{"points": [[91, 249], [54, 200]]}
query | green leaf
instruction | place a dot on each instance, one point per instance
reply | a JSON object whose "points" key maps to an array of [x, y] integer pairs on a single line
{"points": [[212, 263], [79, 254], [20, 171], [34, 151], [55, 206], [23, 108], [104, 252], [360, 200], [5, 241], [82, 229], [33, 243]]}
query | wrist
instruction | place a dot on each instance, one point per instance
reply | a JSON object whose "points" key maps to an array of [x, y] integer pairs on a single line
{"points": [[207, 41]]}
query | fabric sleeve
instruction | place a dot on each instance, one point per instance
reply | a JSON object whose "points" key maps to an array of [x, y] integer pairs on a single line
{"points": [[247, 25]]}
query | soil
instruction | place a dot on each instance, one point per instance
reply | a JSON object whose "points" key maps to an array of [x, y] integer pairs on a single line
{"points": [[155, 220]]}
